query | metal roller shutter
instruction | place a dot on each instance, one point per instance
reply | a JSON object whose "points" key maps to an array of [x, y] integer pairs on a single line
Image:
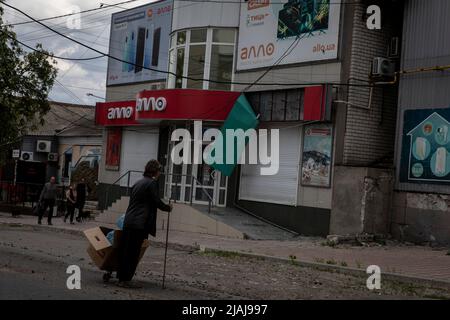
{"points": [[281, 188], [138, 147]]}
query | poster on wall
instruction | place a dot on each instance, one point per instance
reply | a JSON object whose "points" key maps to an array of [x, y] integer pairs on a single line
{"points": [[140, 36], [113, 144], [316, 155], [425, 156], [305, 29]]}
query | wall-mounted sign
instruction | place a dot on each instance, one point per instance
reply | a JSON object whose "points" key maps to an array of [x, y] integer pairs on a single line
{"points": [[16, 154], [140, 36], [316, 156], [268, 29], [425, 154], [174, 104], [121, 113]]}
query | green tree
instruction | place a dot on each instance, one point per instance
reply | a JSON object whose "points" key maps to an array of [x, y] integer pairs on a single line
{"points": [[26, 79]]}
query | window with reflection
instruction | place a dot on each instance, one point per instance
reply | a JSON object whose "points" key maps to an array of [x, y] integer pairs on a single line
{"points": [[199, 54]]}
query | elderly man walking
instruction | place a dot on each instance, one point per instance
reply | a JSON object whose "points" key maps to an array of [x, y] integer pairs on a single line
{"points": [[48, 200]]}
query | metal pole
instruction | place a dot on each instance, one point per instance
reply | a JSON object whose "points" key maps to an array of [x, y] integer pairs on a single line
{"points": [[176, 192], [128, 183], [192, 188], [165, 253]]}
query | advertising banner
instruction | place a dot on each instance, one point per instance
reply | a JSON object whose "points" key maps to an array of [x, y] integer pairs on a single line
{"points": [[425, 154], [140, 36], [299, 30], [114, 141], [317, 146]]}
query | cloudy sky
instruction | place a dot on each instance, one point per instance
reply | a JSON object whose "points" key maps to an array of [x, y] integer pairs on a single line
{"points": [[76, 79]]}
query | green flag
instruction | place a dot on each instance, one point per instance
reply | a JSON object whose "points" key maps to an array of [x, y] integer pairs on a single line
{"points": [[240, 119]]}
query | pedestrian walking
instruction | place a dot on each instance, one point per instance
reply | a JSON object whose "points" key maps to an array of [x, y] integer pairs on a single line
{"points": [[47, 199], [71, 200], [140, 221], [81, 198]]}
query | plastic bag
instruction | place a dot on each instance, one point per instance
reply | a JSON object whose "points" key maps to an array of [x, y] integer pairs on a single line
{"points": [[110, 235], [120, 221]]}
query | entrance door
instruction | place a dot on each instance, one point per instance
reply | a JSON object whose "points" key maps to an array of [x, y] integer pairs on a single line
{"points": [[199, 182]]}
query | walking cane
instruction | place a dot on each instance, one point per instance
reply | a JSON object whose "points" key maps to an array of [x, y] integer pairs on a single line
{"points": [[165, 253]]}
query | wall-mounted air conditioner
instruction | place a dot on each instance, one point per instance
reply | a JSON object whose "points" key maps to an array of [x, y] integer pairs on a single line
{"points": [[43, 146], [52, 157], [383, 67], [26, 156]]}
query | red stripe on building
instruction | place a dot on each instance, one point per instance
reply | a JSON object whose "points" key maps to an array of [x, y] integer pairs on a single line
{"points": [[314, 103]]}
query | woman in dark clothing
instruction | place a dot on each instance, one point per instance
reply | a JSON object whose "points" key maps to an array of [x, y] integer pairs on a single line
{"points": [[140, 221], [70, 204]]}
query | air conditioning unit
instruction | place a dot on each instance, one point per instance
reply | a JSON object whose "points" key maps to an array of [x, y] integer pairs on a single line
{"points": [[52, 157], [383, 67], [26, 156], [43, 146]]}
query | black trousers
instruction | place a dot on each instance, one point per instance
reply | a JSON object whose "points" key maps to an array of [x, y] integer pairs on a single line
{"points": [[46, 204], [129, 252], [80, 206], [70, 211]]}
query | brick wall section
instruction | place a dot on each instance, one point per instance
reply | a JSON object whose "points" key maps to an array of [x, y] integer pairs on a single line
{"points": [[369, 134]]}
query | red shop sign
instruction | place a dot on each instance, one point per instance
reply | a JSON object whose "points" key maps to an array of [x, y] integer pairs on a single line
{"points": [[184, 104], [120, 113], [171, 104]]}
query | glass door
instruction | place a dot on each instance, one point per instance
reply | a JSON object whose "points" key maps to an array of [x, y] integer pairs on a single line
{"points": [[199, 182]]}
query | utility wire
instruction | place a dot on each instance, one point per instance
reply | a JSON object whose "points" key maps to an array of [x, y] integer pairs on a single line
{"points": [[169, 72], [105, 6], [50, 54]]}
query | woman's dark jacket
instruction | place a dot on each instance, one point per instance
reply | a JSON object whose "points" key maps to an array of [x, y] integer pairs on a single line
{"points": [[144, 202]]}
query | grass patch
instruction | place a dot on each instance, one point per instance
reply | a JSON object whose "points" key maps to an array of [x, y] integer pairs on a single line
{"points": [[228, 254], [293, 259], [331, 262], [319, 260]]}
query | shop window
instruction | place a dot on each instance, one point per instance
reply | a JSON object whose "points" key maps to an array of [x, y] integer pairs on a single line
{"points": [[221, 67], [202, 54], [294, 101], [181, 37], [266, 106], [196, 66], [223, 35], [180, 68], [280, 105], [198, 35]]}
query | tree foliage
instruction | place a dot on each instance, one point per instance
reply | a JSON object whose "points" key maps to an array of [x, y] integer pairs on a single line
{"points": [[26, 79]]}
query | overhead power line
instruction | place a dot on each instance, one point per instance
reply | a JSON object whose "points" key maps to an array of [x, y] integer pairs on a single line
{"points": [[105, 6], [49, 54], [173, 73]]}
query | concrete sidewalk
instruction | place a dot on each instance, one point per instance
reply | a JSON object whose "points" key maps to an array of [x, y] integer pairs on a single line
{"points": [[400, 259]]}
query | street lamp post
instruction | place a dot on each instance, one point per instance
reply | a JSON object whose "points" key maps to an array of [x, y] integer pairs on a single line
{"points": [[93, 95]]}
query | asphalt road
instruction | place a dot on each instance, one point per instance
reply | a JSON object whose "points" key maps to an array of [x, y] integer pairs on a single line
{"points": [[33, 265]]}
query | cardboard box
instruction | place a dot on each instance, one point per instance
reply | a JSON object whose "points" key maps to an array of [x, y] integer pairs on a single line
{"points": [[102, 252]]}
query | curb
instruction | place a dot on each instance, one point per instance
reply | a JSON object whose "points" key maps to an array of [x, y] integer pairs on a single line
{"points": [[344, 270], [306, 264]]}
